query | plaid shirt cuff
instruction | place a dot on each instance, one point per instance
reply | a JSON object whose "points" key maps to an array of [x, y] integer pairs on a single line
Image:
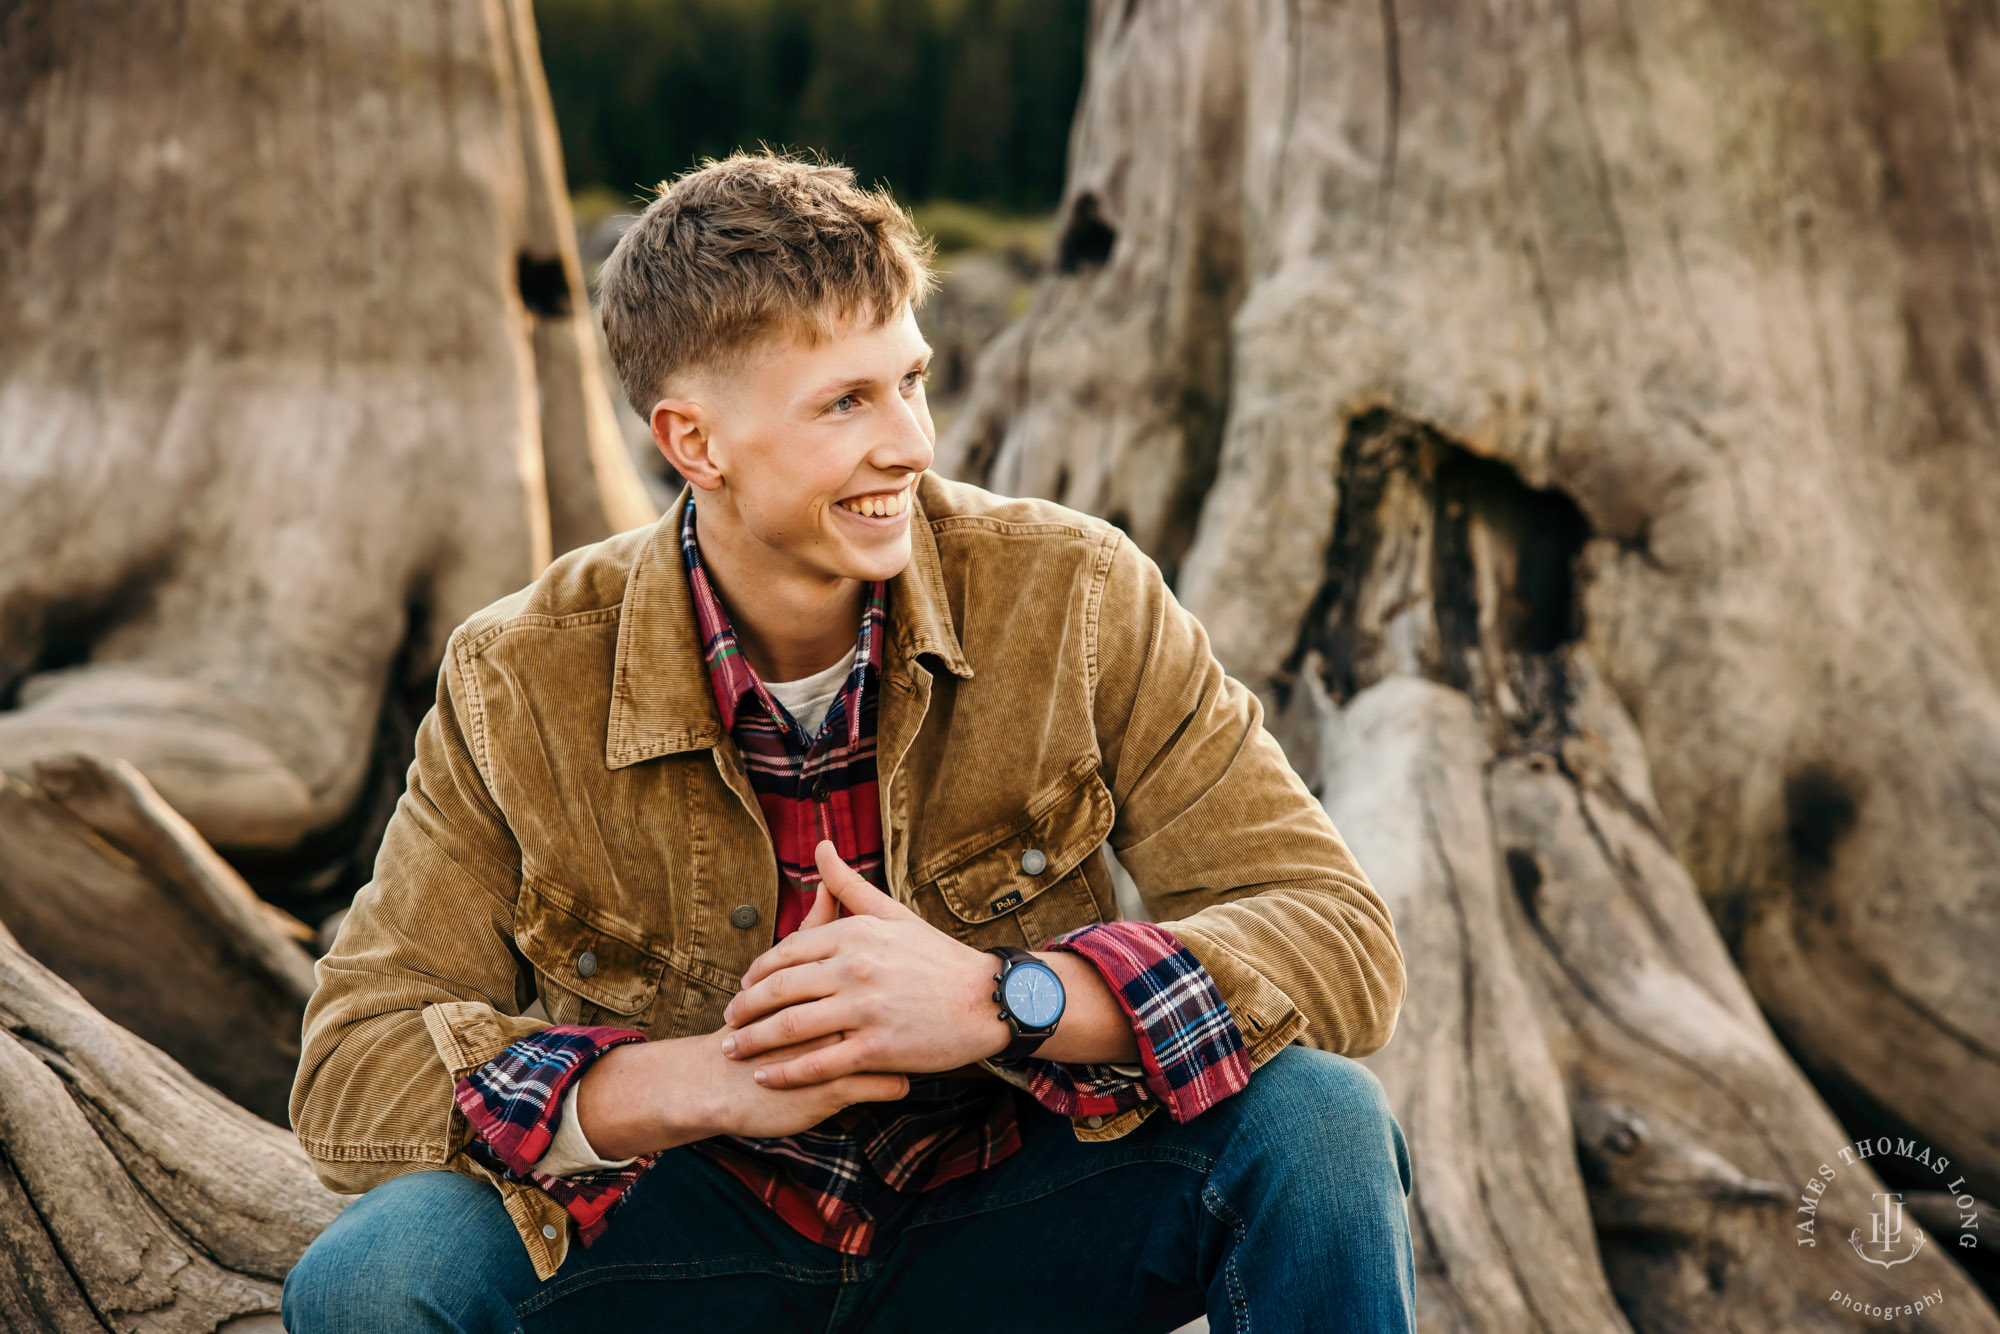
{"points": [[1189, 1045], [513, 1102]]}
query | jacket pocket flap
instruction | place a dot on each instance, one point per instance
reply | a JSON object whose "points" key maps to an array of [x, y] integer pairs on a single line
{"points": [[583, 950], [986, 877]]}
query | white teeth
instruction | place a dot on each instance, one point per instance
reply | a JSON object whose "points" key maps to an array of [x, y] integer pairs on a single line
{"points": [[880, 507]]}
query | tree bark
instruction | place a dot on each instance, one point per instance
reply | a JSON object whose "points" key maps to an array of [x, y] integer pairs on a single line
{"points": [[1577, 422]]}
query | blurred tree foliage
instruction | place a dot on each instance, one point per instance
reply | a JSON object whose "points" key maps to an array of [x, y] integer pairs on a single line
{"points": [[952, 99]]}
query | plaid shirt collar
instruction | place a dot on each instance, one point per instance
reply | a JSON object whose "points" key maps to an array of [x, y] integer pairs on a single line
{"points": [[660, 645], [730, 674]]}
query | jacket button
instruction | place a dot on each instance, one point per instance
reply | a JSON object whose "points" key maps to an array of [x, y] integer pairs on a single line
{"points": [[549, 1231], [743, 917], [1093, 1121], [586, 964], [820, 789], [1034, 861]]}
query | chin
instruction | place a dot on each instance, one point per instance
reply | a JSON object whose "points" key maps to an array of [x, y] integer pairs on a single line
{"points": [[885, 562]]}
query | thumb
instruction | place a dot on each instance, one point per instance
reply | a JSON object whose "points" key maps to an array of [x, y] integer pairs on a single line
{"points": [[851, 887], [825, 907]]}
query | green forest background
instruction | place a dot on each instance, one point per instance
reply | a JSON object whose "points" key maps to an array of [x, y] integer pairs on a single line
{"points": [[966, 101]]}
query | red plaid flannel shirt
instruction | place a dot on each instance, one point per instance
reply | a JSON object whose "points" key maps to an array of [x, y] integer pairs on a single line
{"points": [[824, 786]]}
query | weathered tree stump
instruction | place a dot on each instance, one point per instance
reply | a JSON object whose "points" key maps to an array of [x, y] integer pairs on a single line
{"points": [[296, 372], [1581, 1049], [1577, 423]]}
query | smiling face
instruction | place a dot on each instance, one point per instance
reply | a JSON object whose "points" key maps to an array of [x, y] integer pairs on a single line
{"points": [[808, 454]]}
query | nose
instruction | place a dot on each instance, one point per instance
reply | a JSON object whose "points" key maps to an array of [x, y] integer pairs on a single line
{"points": [[907, 441]]}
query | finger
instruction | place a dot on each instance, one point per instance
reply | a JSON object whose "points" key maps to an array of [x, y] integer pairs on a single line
{"points": [[801, 1048], [787, 986], [794, 1023], [873, 1088], [851, 887], [842, 1059], [799, 947], [869, 1088]]}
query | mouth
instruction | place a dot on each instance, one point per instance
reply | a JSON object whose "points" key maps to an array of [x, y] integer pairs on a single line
{"points": [[878, 509]]}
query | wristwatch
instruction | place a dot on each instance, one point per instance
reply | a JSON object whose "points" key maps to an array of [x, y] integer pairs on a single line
{"points": [[1031, 999]]}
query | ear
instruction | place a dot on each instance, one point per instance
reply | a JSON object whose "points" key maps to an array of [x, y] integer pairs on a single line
{"points": [[681, 430]]}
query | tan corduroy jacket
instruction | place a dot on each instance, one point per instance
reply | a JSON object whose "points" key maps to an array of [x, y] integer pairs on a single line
{"points": [[574, 793]]}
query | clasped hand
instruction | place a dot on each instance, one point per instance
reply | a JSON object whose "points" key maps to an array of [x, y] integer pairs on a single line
{"points": [[899, 995]]}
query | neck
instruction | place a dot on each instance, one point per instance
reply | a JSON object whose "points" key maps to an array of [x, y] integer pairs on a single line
{"points": [[789, 622]]}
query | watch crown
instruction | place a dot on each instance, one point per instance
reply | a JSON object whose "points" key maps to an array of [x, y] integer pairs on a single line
{"points": [[996, 995]]}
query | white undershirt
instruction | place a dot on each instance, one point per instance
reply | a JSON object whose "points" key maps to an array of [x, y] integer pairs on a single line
{"points": [[806, 699]]}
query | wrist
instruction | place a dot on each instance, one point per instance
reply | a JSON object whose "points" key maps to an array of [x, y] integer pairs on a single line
{"points": [[641, 1099], [990, 1031], [1094, 1028]]}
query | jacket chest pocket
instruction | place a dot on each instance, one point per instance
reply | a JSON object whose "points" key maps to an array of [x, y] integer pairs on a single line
{"points": [[1031, 878], [589, 968]]}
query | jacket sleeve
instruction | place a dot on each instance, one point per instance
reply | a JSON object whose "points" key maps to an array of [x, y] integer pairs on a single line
{"points": [[422, 984], [1228, 848]]}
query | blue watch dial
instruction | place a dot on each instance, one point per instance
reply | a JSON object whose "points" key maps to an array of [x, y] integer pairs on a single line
{"points": [[1034, 993]]}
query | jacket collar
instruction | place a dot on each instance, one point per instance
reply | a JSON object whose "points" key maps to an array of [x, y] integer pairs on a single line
{"points": [[661, 698]]}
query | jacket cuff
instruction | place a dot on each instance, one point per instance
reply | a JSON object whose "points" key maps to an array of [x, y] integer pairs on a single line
{"points": [[1265, 1016], [1189, 1046], [513, 1103]]}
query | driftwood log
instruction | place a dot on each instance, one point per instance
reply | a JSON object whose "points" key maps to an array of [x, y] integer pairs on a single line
{"points": [[104, 883], [1578, 422], [132, 1196]]}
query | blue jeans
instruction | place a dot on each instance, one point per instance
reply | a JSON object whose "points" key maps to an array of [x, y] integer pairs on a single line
{"points": [[1284, 1204]]}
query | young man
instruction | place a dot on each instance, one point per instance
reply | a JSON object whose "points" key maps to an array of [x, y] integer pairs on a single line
{"points": [[745, 919]]}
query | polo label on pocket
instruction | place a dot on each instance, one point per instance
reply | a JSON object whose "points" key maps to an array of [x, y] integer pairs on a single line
{"points": [[1011, 899]]}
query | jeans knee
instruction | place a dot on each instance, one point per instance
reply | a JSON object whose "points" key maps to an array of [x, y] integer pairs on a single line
{"points": [[431, 1251], [1328, 1108]]}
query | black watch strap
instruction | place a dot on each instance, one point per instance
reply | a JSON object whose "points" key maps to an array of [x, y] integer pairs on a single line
{"points": [[1025, 1039]]}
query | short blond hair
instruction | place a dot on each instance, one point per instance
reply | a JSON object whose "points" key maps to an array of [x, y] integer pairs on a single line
{"points": [[751, 245]]}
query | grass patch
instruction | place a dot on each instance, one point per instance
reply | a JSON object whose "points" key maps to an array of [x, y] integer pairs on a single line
{"points": [[592, 204], [959, 226]]}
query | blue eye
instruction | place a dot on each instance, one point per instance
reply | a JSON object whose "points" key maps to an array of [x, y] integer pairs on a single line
{"points": [[846, 398]]}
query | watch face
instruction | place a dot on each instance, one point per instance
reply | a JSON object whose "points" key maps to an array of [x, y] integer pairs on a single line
{"points": [[1034, 994]]}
